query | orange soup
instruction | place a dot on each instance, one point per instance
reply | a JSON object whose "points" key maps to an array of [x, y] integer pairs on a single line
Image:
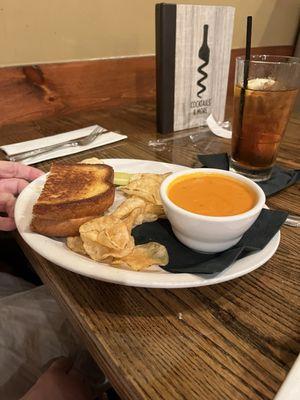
{"points": [[211, 194]]}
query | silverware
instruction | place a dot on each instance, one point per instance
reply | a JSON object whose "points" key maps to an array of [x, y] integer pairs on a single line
{"points": [[196, 133], [292, 220], [83, 141]]}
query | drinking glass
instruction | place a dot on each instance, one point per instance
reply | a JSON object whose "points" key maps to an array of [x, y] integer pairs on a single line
{"points": [[262, 107]]}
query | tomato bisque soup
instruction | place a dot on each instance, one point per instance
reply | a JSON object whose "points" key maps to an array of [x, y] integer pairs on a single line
{"points": [[213, 195]]}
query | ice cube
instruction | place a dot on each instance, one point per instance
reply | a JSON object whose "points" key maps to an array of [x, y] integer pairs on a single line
{"points": [[261, 84]]}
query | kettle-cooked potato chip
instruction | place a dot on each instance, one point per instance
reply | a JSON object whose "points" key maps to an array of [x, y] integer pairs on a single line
{"points": [[75, 244], [127, 206], [106, 236], [144, 256], [96, 251], [145, 186], [139, 211], [92, 160], [157, 177]]}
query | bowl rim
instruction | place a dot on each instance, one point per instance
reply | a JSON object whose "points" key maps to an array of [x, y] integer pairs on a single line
{"points": [[250, 213]]}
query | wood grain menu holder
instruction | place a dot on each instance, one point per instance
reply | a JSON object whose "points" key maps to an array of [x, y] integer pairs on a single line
{"points": [[193, 45]]}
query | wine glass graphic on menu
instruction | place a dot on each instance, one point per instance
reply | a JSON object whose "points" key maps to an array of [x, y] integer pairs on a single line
{"points": [[203, 54]]}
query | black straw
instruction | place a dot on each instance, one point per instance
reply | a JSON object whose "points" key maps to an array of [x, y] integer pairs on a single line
{"points": [[246, 72], [248, 51]]}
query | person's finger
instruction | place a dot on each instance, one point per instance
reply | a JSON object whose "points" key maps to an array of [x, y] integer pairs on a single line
{"points": [[12, 185], [7, 224], [61, 364], [7, 204], [10, 169]]}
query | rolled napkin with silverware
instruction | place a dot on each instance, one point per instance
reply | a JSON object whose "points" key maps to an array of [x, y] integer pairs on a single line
{"points": [[47, 148]]}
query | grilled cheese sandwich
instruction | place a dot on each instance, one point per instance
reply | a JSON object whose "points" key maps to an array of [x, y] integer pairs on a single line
{"points": [[72, 194]]}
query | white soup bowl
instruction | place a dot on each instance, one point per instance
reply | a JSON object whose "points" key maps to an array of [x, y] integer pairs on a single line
{"points": [[205, 233]]}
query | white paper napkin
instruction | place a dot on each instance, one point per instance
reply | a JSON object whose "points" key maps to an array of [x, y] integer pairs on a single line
{"points": [[106, 138], [217, 129]]}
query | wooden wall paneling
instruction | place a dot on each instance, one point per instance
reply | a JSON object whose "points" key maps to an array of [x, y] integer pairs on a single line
{"points": [[36, 91], [33, 92]]}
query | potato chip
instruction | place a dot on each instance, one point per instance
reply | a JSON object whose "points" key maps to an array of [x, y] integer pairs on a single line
{"points": [[98, 252], [144, 256], [157, 177], [145, 186], [92, 160], [75, 244], [153, 212], [134, 218], [95, 250], [106, 236], [138, 211], [127, 206]]}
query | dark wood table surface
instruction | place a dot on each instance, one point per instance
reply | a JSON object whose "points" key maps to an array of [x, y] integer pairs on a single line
{"points": [[235, 340]]}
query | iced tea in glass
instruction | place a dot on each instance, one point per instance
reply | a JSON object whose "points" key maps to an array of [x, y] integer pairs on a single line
{"points": [[261, 112]]}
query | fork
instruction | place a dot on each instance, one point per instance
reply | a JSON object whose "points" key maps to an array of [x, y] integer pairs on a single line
{"points": [[83, 141]]}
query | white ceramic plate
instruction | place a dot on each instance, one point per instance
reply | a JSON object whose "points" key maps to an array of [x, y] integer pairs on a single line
{"points": [[56, 251]]}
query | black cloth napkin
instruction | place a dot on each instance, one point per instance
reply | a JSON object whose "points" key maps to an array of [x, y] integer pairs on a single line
{"points": [[280, 179], [184, 260]]}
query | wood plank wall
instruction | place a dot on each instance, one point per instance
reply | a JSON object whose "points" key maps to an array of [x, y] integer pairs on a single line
{"points": [[37, 91]]}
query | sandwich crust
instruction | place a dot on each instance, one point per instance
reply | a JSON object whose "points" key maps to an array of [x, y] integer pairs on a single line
{"points": [[52, 227]]}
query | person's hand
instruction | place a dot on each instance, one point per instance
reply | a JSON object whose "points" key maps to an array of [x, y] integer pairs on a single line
{"points": [[14, 177], [59, 382]]}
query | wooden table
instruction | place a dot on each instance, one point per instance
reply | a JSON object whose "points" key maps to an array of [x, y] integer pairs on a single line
{"points": [[234, 341]]}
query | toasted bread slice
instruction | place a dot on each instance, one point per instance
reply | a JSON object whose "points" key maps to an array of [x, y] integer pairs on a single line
{"points": [[76, 191], [52, 227]]}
